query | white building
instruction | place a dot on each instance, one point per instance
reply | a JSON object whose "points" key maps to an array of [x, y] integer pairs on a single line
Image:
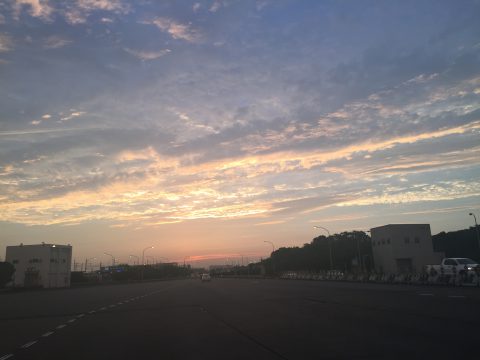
{"points": [[44, 265], [403, 248]]}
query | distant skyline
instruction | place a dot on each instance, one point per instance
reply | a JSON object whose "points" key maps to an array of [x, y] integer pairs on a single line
{"points": [[205, 128]]}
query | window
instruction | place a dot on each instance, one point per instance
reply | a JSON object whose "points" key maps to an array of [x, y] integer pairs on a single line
{"points": [[450, 262], [15, 261], [383, 241], [407, 240], [388, 241], [35, 261], [417, 240]]}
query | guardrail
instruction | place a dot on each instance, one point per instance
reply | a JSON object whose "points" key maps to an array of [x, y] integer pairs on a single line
{"points": [[469, 278]]}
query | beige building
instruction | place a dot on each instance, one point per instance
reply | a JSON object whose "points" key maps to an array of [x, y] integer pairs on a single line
{"points": [[44, 265], [403, 248]]}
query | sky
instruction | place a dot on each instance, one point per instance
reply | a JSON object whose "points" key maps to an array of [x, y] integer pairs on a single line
{"points": [[208, 129]]}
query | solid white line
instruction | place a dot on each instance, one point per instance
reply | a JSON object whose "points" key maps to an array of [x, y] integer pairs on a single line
{"points": [[5, 357], [47, 334], [27, 345], [61, 326]]}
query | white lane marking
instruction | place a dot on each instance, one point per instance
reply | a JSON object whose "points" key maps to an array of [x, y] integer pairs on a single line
{"points": [[47, 334], [120, 303], [112, 306], [103, 308], [71, 320], [61, 326], [92, 312], [5, 357], [27, 345], [457, 296], [427, 294], [81, 315]]}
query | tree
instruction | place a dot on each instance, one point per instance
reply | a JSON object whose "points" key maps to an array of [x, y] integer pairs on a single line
{"points": [[6, 272]]}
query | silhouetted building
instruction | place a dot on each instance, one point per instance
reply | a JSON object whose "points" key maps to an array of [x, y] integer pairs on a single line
{"points": [[403, 248], [44, 265]]}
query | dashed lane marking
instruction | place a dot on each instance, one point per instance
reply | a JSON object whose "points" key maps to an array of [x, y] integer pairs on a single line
{"points": [[103, 308], [426, 294], [457, 296], [71, 320], [47, 334], [80, 316], [27, 345], [5, 357], [61, 326], [92, 312]]}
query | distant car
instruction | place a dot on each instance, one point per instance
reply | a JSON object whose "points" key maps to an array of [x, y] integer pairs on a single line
{"points": [[205, 277]]}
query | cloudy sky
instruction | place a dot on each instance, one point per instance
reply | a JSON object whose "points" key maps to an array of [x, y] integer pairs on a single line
{"points": [[205, 128]]}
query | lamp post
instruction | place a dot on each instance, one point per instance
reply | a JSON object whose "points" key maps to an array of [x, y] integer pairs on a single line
{"points": [[329, 244], [143, 258], [86, 262], [153, 259], [273, 250], [135, 256], [113, 259], [186, 257], [476, 228]]}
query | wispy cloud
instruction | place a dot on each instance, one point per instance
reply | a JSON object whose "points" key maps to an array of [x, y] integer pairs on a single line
{"points": [[36, 8], [176, 29], [147, 55], [55, 42], [6, 43]]}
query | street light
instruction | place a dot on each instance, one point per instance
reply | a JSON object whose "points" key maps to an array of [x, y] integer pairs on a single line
{"points": [[143, 258], [86, 262], [476, 228], [186, 257], [329, 244], [271, 243], [273, 250], [113, 259], [135, 256]]}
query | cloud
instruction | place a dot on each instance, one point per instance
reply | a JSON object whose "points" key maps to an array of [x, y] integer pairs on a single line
{"points": [[46, 116], [6, 43], [147, 55], [176, 29], [55, 42], [196, 7], [216, 5], [37, 8], [117, 6], [72, 115]]}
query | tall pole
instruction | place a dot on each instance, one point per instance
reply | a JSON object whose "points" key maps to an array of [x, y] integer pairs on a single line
{"points": [[273, 250], [86, 262], [113, 259], [135, 256], [143, 258], [476, 228], [329, 244]]}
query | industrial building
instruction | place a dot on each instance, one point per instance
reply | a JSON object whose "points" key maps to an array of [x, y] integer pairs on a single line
{"points": [[403, 248], [44, 265]]}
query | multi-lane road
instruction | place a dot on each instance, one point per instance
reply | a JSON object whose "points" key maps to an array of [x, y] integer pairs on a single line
{"points": [[241, 319]]}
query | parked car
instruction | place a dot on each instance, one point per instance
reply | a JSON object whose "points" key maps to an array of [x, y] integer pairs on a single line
{"points": [[451, 266], [205, 277]]}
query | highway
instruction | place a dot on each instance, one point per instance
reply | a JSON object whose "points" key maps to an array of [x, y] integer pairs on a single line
{"points": [[241, 319]]}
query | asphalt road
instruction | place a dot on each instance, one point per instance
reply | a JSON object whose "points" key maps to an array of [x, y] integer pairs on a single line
{"points": [[241, 319]]}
